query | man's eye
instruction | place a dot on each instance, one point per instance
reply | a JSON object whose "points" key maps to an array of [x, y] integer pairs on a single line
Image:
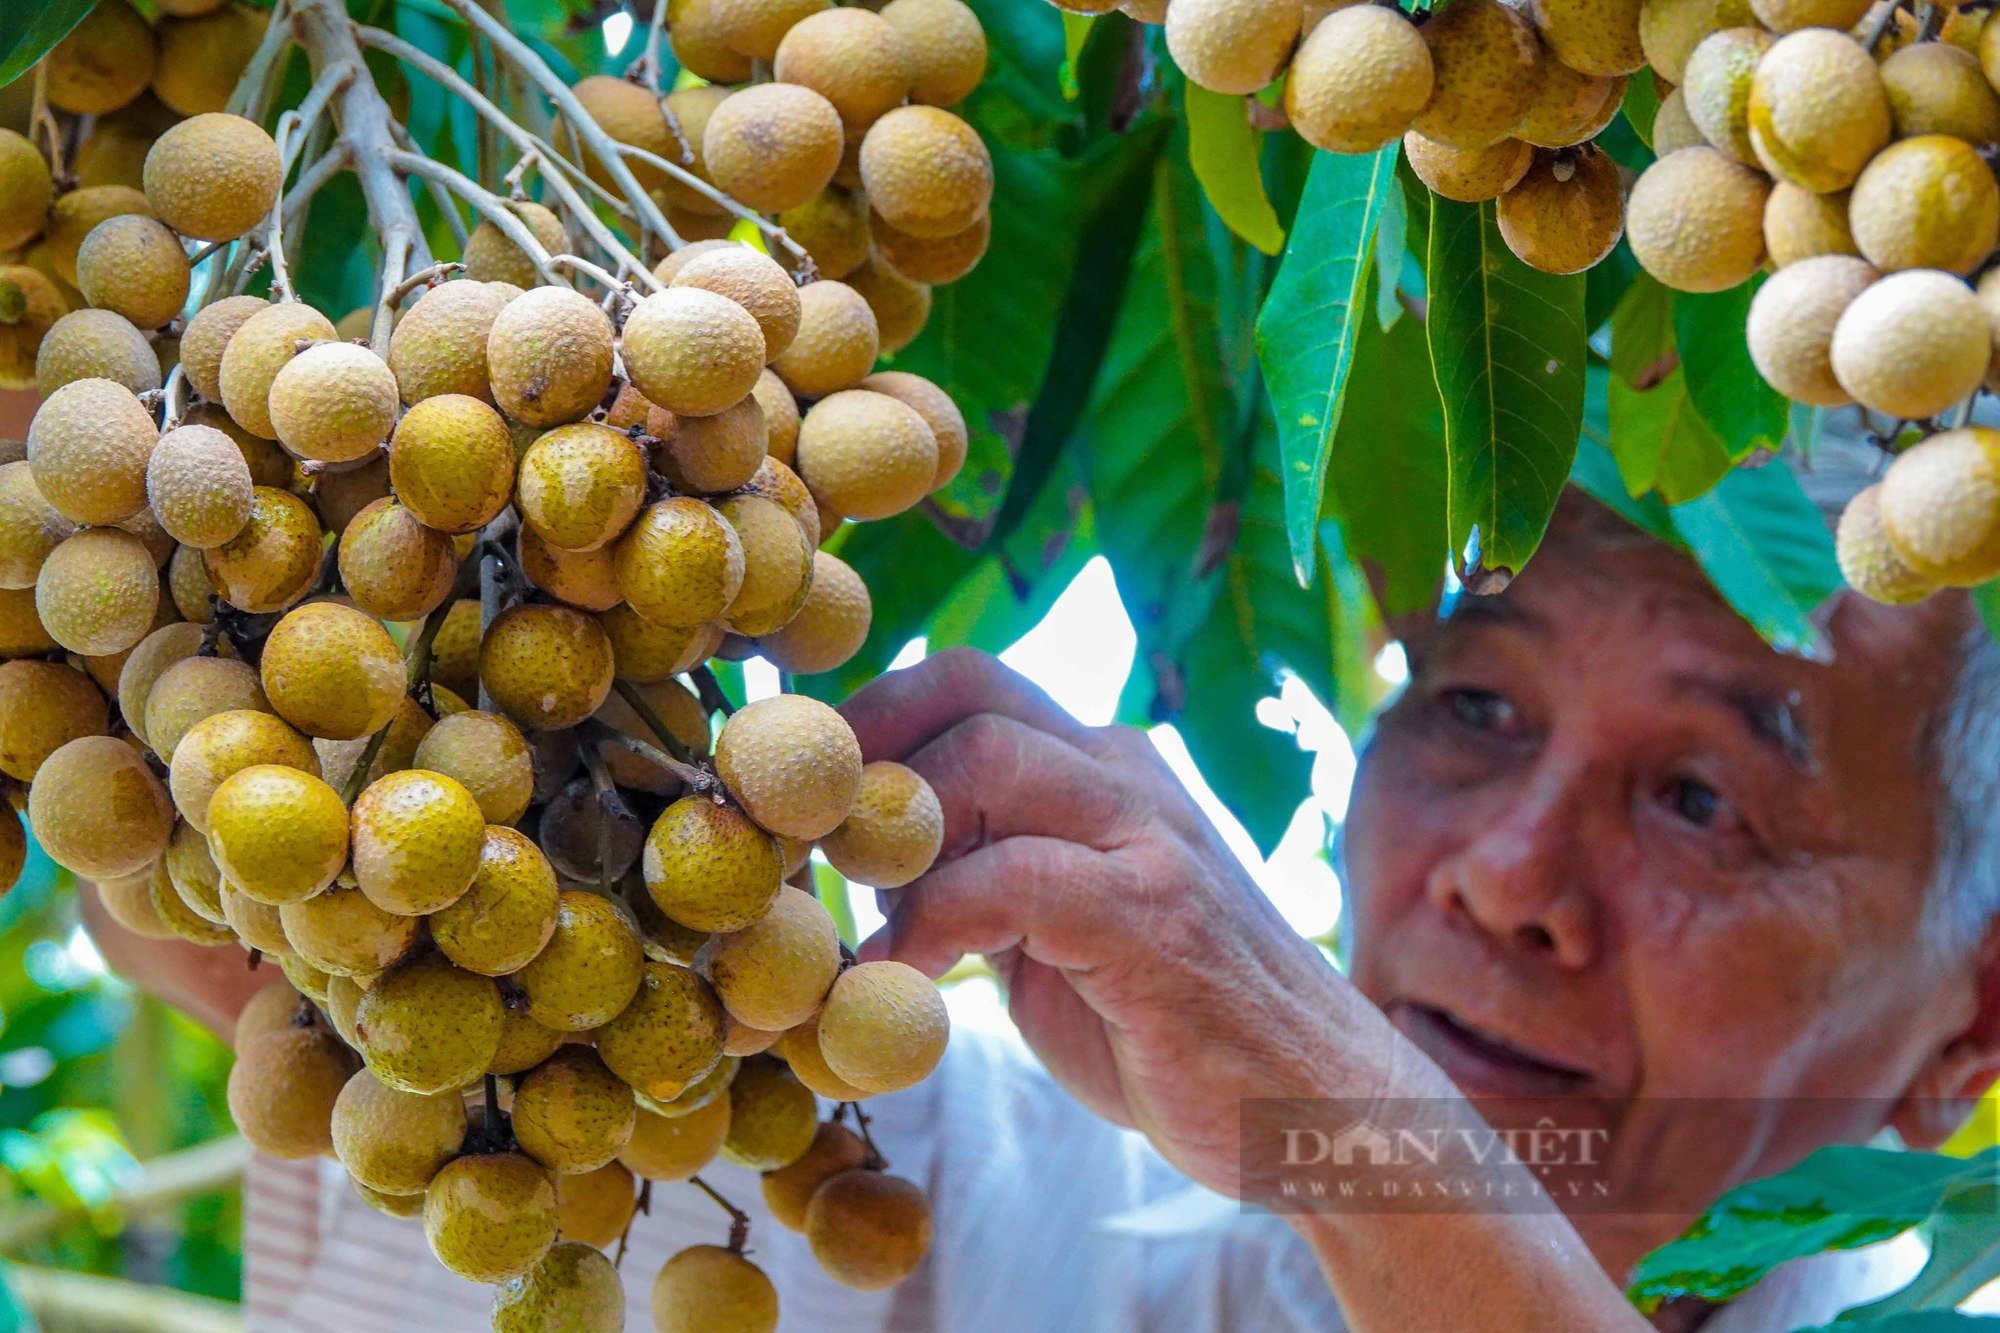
{"points": [[1700, 804], [1480, 710]]}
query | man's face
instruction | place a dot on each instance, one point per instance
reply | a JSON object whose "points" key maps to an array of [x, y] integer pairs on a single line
{"points": [[1609, 848]]}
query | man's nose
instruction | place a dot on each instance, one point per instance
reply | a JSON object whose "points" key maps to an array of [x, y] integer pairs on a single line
{"points": [[1521, 876]]}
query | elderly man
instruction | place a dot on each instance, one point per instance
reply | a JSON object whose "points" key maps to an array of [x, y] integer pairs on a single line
{"points": [[1611, 862]]}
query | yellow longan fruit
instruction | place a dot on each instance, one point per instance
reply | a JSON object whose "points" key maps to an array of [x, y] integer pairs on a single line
{"points": [[794, 764], [837, 341], [343, 934], [928, 259], [1799, 224], [773, 973], [452, 463], [1695, 220], [1791, 323], [1486, 66], [198, 486], [1567, 213], [1937, 505], [43, 707], [26, 191], [394, 567], [333, 403], [668, 1037], [87, 450], [1468, 175], [883, 1027], [852, 57], [105, 61], [274, 561], [687, 113], [1592, 36], [830, 628], [680, 564], [202, 57], [1869, 561], [893, 833], [208, 334], [1818, 111], [439, 346], [394, 1141], [676, 1147], [901, 307], [709, 868], [491, 1217], [754, 281], [260, 347], [549, 356], [97, 810], [596, 1206], [1927, 202], [1717, 92], [866, 455], [418, 837], [926, 171], [508, 914], [868, 1229], [277, 834], [716, 453], [75, 215], [700, 46], [692, 351], [777, 482], [832, 226], [331, 671], [587, 580], [756, 27], [490, 256], [581, 485], [220, 746], [30, 527], [631, 115], [97, 592], [1358, 81], [194, 689], [946, 48], [1231, 48], [283, 1087], [546, 666], [213, 177], [789, 1190], [574, 1286], [773, 146], [706, 1287], [1935, 88], [1912, 344]]}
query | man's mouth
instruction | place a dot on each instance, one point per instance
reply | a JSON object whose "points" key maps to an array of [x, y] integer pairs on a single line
{"points": [[1482, 1062]]}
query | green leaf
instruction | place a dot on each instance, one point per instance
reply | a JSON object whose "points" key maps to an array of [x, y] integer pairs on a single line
{"points": [[1386, 475], [1837, 1199], [1641, 105], [1306, 333], [1745, 413], [1964, 1236], [1392, 256], [1986, 597], [1764, 546], [1660, 441], [834, 895], [1595, 471], [1076, 31], [1509, 347], [1223, 151], [29, 29], [1925, 1321]]}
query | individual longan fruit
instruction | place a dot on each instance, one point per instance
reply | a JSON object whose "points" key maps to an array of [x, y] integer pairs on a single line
{"points": [[788, 1191], [1468, 175], [1791, 323], [283, 1087], [198, 486], [256, 924], [1359, 80], [271, 1009], [490, 1217], [706, 1287], [44, 706], [1799, 224], [1669, 30], [277, 834], [709, 868], [202, 57], [716, 453], [341, 933], [394, 1141], [331, 671], [866, 455], [833, 228], [439, 346], [587, 580], [333, 403], [76, 214], [26, 190], [692, 351], [589, 970], [852, 57], [756, 27], [868, 1229], [572, 1114], [883, 1027], [394, 567], [488, 756], [30, 527], [87, 450], [133, 266], [549, 356], [148, 660], [90, 344], [644, 652], [341, 493], [1818, 111], [794, 764], [778, 483], [675, 1147], [893, 833], [213, 177], [1927, 202], [772, 146], [1673, 129], [773, 973], [901, 307], [128, 900], [927, 259], [218, 747], [1717, 92], [681, 563], [1695, 220], [308, 980], [1937, 504], [1936, 88], [22, 633], [195, 688], [752, 280], [98, 592], [1911, 345], [260, 347], [799, 1048], [946, 48], [926, 171], [490, 256], [597, 1206], [581, 485], [574, 1286], [829, 628], [207, 336], [186, 904], [104, 62], [837, 342], [546, 666], [777, 564], [1486, 70], [1587, 35], [524, 1043], [1232, 48], [418, 838], [699, 45], [772, 1116], [429, 1027], [1567, 213], [1869, 561], [939, 412], [97, 810], [670, 267], [499, 924], [274, 561], [452, 463], [631, 115]]}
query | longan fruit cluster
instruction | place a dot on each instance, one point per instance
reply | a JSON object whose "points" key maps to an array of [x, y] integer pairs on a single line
{"points": [[847, 143]]}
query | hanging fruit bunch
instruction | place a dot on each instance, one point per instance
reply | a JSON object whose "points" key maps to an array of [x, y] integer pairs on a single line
{"points": [[378, 649]]}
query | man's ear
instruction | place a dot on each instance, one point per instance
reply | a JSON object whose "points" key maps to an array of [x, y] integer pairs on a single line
{"points": [[1948, 1088]]}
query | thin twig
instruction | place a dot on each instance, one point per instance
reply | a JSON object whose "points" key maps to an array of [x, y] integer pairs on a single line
{"points": [[710, 690], [252, 94], [422, 278], [42, 121], [701, 187], [636, 697], [417, 676], [654, 31], [739, 1221], [447, 208], [611, 283], [874, 1161], [696, 778], [490, 207]]}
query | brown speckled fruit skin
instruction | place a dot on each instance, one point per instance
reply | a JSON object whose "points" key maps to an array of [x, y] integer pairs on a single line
{"points": [[707, 1287], [508, 914], [581, 485], [574, 1286], [893, 833], [668, 1036], [394, 1141], [772, 1116], [681, 564], [439, 346], [739, 140], [597, 1205], [1485, 62], [794, 764], [341, 933], [429, 1027], [589, 970], [572, 1114], [546, 666], [789, 1189], [883, 1027], [544, 329], [693, 351], [491, 1217], [98, 810], [88, 446], [332, 672], [213, 176], [710, 868], [217, 747], [417, 841], [274, 560], [283, 1087], [869, 1230], [393, 566], [774, 974], [675, 1147], [832, 625], [261, 347]]}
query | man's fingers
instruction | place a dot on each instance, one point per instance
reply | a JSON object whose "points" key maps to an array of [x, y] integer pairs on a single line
{"points": [[900, 713], [999, 778], [1060, 904]]}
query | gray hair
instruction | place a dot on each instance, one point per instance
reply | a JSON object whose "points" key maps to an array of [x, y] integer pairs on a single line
{"points": [[1963, 738]]}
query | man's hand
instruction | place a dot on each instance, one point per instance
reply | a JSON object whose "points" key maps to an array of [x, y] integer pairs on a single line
{"points": [[1144, 968]]}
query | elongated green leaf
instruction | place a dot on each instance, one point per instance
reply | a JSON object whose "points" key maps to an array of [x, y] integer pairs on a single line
{"points": [[1306, 333], [1744, 412], [1660, 441], [1837, 1199], [28, 28], [1076, 31], [1924, 1321], [1392, 256], [1595, 473], [1641, 105], [1763, 544], [1223, 151], [1509, 346], [1964, 1236]]}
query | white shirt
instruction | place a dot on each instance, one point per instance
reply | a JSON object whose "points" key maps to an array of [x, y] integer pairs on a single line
{"points": [[1048, 1220]]}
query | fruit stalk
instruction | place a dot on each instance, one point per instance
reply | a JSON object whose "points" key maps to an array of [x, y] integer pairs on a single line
{"points": [[739, 1221], [491, 207]]}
